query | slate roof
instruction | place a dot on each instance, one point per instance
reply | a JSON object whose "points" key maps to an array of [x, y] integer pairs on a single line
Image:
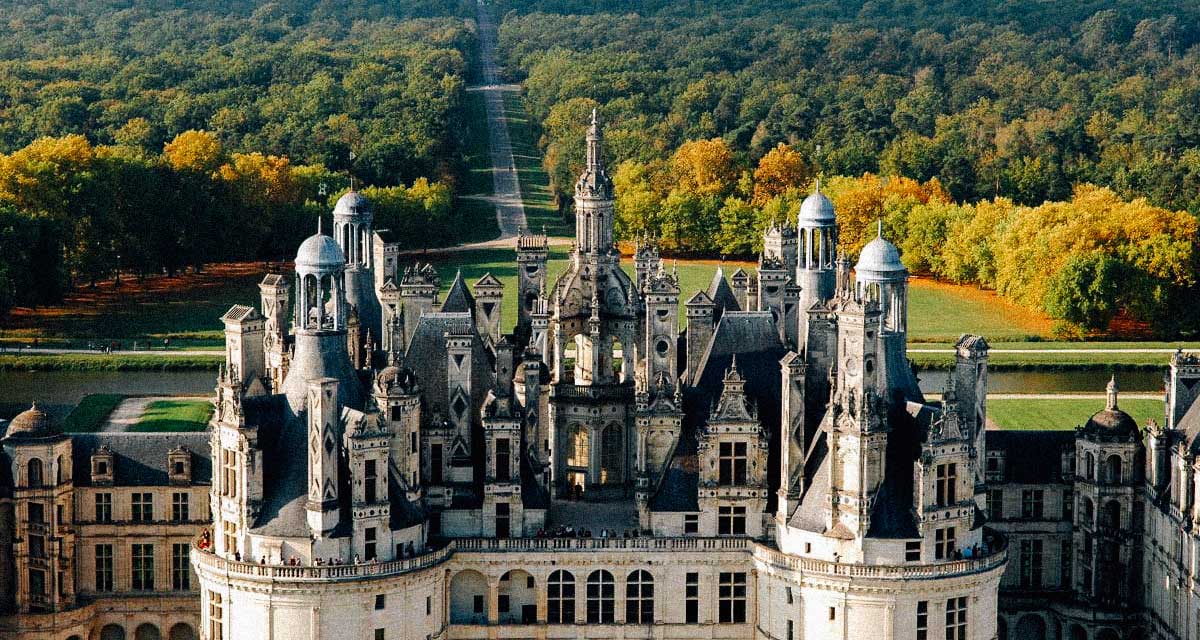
{"points": [[275, 280], [140, 459], [752, 336], [721, 294], [1031, 457], [459, 298], [238, 313]]}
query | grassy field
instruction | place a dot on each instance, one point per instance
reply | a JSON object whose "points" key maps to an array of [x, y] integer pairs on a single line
{"points": [[939, 312], [1062, 414], [116, 362], [91, 412], [540, 211], [174, 416]]}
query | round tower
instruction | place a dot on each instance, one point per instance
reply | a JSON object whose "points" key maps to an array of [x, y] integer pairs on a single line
{"points": [[881, 277], [352, 219], [320, 324], [816, 253]]}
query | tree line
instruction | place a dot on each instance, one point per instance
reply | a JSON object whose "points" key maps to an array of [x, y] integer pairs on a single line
{"points": [[72, 213], [994, 99], [1082, 260]]}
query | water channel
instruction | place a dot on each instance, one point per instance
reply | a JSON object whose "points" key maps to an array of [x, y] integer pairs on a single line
{"points": [[58, 391]]}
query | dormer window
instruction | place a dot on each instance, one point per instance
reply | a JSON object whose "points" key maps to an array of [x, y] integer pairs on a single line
{"points": [[179, 465], [995, 467], [102, 466]]}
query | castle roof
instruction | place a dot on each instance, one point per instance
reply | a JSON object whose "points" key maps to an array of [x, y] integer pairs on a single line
{"points": [[30, 423], [459, 298], [140, 459], [722, 294], [816, 210], [880, 259], [352, 206], [320, 252]]}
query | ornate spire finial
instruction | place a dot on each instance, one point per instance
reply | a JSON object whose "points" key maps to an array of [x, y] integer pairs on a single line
{"points": [[879, 228], [817, 185], [1112, 393], [319, 230], [595, 117]]}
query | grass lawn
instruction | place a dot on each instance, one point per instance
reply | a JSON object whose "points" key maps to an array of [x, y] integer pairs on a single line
{"points": [[91, 412], [940, 312], [1038, 414], [535, 184], [89, 362], [174, 416]]}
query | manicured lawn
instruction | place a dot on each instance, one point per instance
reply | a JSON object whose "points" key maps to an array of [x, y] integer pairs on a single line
{"points": [[90, 362], [174, 415], [1064, 414], [939, 312], [535, 184], [91, 412]]}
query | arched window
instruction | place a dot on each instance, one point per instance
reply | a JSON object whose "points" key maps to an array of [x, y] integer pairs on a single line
{"points": [[468, 598], [1089, 467], [577, 450], [1112, 514], [34, 474], [560, 598], [147, 631], [182, 631], [601, 589], [1113, 469], [1086, 511], [59, 475], [112, 632], [639, 598], [611, 454]]}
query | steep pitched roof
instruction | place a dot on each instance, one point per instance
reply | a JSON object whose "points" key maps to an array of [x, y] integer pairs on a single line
{"points": [[140, 459], [722, 294], [459, 298], [1032, 457]]}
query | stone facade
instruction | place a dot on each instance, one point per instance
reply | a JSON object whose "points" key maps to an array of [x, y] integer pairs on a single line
{"points": [[96, 532]]}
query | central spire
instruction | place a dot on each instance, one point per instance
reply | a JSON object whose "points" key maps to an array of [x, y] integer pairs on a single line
{"points": [[594, 197], [595, 135]]}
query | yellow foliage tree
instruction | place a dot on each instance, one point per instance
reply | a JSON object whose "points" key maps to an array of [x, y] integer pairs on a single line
{"points": [[704, 168], [780, 169], [193, 150]]}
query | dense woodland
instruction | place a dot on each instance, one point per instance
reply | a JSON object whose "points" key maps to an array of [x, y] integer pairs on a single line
{"points": [[997, 111], [150, 136]]}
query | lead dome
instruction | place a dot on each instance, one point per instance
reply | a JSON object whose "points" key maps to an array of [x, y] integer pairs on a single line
{"points": [[30, 422], [879, 257], [320, 251], [816, 210], [353, 205]]}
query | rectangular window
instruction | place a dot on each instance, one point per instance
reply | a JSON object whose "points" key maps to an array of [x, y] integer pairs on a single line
{"points": [[691, 602], [370, 479], [428, 605], [412, 442], [995, 504], [923, 620], [1031, 504], [1068, 505], [502, 520], [791, 630], [36, 513], [143, 507], [691, 523], [179, 507], [956, 619], [181, 568], [1031, 564], [912, 551], [229, 478], [731, 521], [947, 483], [478, 604], [732, 598], [380, 634], [435, 464], [1064, 565], [943, 543], [142, 567], [995, 467], [369, 543], [104, 507], [732, 463], [216, 616], [503, 454], [37, 546], [104, 567]]}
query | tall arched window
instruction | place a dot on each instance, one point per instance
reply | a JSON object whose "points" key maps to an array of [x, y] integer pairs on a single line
{"points": [[34, 474], [611, 454], [1112, 469], [577, 452], [59, 471], [1112, 514], [639, 598], [1089, 467], [1086, 511], [601, 589], [560, 598]]}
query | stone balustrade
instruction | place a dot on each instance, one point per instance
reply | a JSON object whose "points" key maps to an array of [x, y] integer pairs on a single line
{"points": [[760, 552]]}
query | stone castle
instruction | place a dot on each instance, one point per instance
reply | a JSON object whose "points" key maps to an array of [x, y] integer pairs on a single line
{"points": [[383, 464]]}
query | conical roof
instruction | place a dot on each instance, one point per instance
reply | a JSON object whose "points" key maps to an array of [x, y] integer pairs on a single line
{"points": [[459, 298]]}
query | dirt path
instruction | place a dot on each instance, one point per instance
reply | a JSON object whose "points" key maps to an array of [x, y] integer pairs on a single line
{"points": [[130, 411], [506, 187]]}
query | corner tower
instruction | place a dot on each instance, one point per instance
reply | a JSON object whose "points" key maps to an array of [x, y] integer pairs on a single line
{"points": [[352, 219]]}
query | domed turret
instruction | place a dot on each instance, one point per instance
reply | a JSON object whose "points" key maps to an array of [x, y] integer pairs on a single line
{"points": [[881, 277], [353, 206], [816, 210], [319, 252], [31, 423], [1112, 420]]}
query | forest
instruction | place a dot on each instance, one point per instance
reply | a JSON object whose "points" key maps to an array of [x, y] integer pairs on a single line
{"points": [[145, 137], [1007, 109]]}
